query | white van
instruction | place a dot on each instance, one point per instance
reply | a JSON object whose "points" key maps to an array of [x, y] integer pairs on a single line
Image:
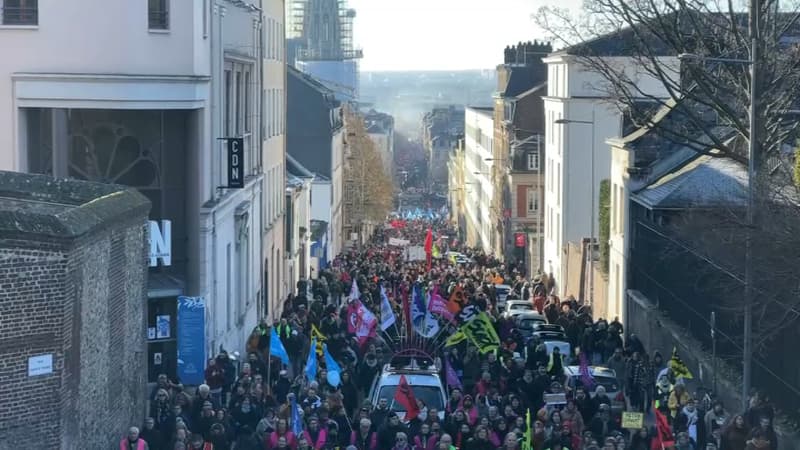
{"points": [[424, 381]]}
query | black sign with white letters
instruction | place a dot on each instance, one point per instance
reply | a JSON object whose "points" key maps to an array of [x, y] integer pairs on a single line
{"points": [[235, 163]]}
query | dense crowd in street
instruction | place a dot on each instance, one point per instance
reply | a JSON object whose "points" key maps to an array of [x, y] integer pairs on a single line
{"points": [[512, 395]]}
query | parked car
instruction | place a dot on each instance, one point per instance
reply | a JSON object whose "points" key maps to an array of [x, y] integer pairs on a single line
{"points": [[424, 381], [552, 341], [516, 307], [502, 291], [527, 322], [601, 376]]}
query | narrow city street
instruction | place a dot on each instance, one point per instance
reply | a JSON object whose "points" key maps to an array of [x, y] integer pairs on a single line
{"points": [[399, 225]]}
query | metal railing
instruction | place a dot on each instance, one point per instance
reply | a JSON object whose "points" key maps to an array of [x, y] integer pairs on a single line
{"points": [[20, 15], [158, 19]]}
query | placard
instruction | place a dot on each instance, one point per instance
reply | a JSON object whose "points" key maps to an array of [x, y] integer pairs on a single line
{"points": [[151, 333], [556, 399], [40, 365], [399, 242], [632, 420], [191, 340]]}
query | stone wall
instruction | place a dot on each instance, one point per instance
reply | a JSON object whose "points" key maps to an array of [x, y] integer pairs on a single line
{"points": [[657, 332], [73, 280]]}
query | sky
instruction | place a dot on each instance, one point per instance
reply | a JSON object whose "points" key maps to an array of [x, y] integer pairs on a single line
{"points": [[442, 34]]}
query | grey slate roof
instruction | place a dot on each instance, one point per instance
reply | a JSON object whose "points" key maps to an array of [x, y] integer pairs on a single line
{"points": [[704, 182]]}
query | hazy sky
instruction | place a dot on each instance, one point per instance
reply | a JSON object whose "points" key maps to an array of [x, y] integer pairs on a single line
{"points": [[442, 34]]}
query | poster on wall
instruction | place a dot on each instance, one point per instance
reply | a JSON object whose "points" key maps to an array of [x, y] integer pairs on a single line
{"points": [[191, 340], [162, 327]]}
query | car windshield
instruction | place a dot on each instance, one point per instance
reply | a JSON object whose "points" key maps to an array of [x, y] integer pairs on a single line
{"points": [[528, 324], [430, 395]]}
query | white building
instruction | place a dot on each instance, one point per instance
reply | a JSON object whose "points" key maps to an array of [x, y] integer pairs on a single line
{"points": [[478, 146], [298, 226], [142, 94], [313, 107], [577, 156]]}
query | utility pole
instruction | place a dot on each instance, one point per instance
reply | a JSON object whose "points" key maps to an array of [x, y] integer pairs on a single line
{"points": [[752, 174]]}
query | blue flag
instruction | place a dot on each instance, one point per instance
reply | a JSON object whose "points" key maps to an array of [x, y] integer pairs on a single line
{"points": [[297, 424], [276, 347], [311, 362], [334, 371]]}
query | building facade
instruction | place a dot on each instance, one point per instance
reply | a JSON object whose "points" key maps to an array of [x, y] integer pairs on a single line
{"points": [[188, 109], [380, 128], [298, 226], [457, 189], [321, 42], [441, 129], [478, 164], [577, 158], [315, 140], [518, 134]]}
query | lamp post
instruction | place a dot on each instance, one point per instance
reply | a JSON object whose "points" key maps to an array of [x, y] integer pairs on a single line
{"points": [[747, 344], [592, 216]]}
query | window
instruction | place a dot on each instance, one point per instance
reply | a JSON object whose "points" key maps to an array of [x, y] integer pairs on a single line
{"points": [[228, 103], [533, 202], [238, 107], [158, 14], [229, 287], [20, 12], [533, 161], [248, 115]]}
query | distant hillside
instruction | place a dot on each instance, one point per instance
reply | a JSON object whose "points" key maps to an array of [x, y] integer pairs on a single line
{"points": [[408, 95]]}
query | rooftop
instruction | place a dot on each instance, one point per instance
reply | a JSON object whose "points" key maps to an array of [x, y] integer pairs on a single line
{"points": [[46, 207], [487, 111], [707, 181]]}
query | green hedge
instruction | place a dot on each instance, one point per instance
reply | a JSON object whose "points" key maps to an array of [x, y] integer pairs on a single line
{"points": [[797, 167], [605, 222]]}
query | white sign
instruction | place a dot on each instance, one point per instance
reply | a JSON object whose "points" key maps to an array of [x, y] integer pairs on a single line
{"points": [[399, 242], [40, 365], [161, 243], [416, 253]]}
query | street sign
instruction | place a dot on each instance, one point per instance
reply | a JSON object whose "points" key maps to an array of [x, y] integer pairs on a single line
{"points": [[235, 163]]}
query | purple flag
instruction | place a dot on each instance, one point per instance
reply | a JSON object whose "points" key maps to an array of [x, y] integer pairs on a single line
{"points": [[450, 375], [586, 377]]}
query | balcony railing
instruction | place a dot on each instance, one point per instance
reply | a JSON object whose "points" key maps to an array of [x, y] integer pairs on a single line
{"points": [[20, 15], [158, 19]]}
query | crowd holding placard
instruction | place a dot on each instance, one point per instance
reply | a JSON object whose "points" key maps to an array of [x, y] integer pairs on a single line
{"points": [[305, 381]]}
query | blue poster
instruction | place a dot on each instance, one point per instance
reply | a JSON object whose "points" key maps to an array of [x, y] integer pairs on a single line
{"points": [[191, 340]]}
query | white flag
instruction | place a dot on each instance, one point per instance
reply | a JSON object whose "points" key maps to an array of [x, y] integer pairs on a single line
{"points": [[387, 314], [355, 294]]}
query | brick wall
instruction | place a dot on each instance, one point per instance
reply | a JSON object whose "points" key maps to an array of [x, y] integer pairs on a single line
{"points": [[84, 303], [33, 295]]}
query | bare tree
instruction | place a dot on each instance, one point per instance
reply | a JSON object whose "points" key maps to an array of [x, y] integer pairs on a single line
{"points": [[368, 188], [740, 54]]}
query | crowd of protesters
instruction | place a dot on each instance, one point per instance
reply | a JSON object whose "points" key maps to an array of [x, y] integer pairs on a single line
{"points": [[247, 405]]}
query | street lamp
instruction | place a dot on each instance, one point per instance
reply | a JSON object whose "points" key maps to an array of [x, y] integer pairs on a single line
{"points": [[592, 219], [747, 345]]}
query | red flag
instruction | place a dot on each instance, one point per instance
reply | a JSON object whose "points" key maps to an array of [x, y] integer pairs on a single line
{"points": [[663, 431], [429, 248], [404, 395], [429, 241]]}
